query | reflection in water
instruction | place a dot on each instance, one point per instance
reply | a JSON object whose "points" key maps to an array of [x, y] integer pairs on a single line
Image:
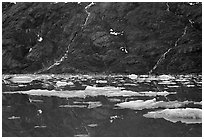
{"points": [[97, 113]]}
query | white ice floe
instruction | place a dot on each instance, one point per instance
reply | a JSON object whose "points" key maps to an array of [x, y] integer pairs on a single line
{"points": [[173, 86], [22, 79], [151, 104], [133, 76], [35, 100], [44, 77], [184, 115], [181, 80], [94, 105], [40, 126], [22, 85], [144, 76], [60, 83], [151, 93], [90, 104], [166, 82], [198, 103], [92, 125], [190, 85], [114, 99], [13, 117], [101, 81], [108, 91], [61, 94], [72, 106], [166, 77], [81, 135], [130, 84]]}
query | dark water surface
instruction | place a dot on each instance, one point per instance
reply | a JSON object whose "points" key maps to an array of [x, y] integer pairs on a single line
{"points": [[117, 105]]}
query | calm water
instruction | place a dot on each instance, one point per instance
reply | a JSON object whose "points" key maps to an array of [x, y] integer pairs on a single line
{"points": [[117, 105]]}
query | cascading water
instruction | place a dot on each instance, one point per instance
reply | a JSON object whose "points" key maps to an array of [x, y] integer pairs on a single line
{"points": [[164, 54], [175, 44], [88, 13], [58, 62], [168, 7]]}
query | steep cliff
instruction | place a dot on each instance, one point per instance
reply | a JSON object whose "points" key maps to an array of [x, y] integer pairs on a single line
{"points": [[102, 37]]}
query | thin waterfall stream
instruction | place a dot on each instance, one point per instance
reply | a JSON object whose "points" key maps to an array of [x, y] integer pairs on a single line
{"points": [[88, 13], [175, 44], [162, 58], [58, 62]]}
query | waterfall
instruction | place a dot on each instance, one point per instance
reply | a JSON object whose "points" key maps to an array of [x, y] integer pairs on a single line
{"points": [[58, 62], [168, 7], [165, 53], [88, 13]]}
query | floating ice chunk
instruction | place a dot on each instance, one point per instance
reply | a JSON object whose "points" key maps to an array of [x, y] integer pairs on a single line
{"points": [[81, 135], [94, 105], [187, 115], [43, 77], [130, 84], [40, 126], [61, 94], [95, 91], [13, 118], [87, 76], [133, 76], [166, 82], [92, 125], [101, 81], [144, 76], [114, 99], [190, 85], [22, 79], [181, 80], [198, 103], [90, 104], [60, 83], [91, 91], [35, 100], [151, 93], [72, 106], [166, 77], [173, 86], [151, 104], [22, 85]]}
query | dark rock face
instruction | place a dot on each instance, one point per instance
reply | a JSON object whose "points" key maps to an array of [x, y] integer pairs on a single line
{"points": [[106, 37]]}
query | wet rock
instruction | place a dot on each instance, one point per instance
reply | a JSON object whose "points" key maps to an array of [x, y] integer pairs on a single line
{"points": [[117, 37]]}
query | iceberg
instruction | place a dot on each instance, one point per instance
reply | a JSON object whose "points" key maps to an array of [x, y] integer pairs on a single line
{"points": [[151, 104], [132, 76], [185, 115], [21, 79]]}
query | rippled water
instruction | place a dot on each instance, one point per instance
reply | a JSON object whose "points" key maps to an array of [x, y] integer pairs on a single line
{"points": [[99, 105]]}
